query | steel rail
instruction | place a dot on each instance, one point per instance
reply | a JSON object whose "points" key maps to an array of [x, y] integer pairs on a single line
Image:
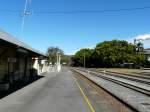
{"points": [[145, 76], [132, 78], [127, 85]]}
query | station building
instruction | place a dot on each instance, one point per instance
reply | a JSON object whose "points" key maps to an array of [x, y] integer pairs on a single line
{"points": [[17, 61], [147, 52]]}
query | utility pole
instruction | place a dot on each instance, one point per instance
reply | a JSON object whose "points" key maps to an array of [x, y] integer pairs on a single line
{"points": [[25, 13], [84, 59]]}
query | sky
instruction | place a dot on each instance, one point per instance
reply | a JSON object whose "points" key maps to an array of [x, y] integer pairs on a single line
{"points": [[83, 27]]}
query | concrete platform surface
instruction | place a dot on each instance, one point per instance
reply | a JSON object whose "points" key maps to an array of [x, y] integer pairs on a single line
{"points": [[56, 92]]}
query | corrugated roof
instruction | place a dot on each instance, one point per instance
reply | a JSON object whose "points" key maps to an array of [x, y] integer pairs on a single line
{"points": [[11, 39]]}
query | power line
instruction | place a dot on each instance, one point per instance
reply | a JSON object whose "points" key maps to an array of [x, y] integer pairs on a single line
{"points": [[90, 11], [78, 11], [10, 11]]}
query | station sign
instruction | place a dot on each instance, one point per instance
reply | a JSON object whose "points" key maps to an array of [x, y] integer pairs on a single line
{"points": [[12, 60]]}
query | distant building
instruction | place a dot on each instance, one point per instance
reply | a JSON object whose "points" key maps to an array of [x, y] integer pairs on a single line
{"points": [[17, 61], [147, 53]]}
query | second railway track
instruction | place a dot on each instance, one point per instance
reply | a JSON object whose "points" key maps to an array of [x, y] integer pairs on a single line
{"points": [[132, 92], [142, 86]]}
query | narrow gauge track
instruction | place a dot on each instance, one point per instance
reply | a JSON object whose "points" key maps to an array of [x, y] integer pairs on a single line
{"points": [[123, 83]]}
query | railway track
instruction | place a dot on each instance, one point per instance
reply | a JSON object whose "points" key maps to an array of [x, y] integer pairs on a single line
{"points": [[137, 84], [145, 80], [138, 90], [141, 75]]}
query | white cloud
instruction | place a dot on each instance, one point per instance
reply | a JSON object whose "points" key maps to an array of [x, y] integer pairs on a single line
{"points": [[144, 38]]}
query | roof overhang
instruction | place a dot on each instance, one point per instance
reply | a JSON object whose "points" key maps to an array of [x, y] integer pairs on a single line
{"points": [[8, 39]]}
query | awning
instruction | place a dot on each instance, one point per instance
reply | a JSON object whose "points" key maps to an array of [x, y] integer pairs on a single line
{"points": [[12, 40]]}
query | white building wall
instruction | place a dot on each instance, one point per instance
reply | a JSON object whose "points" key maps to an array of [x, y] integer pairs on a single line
{"points": [[41, 68]]}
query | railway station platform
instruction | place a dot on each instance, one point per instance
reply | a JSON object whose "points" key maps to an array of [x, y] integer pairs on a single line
{"points": [[55, 92]]}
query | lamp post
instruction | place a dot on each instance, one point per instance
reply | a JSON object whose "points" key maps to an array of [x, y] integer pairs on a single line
{"points": [[58, 61], [57, 58]]}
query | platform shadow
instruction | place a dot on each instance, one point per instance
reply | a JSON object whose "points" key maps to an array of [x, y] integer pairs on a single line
{"points": [[19, 85]]}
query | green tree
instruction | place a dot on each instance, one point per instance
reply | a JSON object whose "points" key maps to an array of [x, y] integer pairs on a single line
{"points": [[66, 59], [52, 54], [110, 54], [82, 57]]}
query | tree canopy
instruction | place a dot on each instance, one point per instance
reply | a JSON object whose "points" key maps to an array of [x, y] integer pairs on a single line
{"points": [[109, 54], [52, 56]]}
